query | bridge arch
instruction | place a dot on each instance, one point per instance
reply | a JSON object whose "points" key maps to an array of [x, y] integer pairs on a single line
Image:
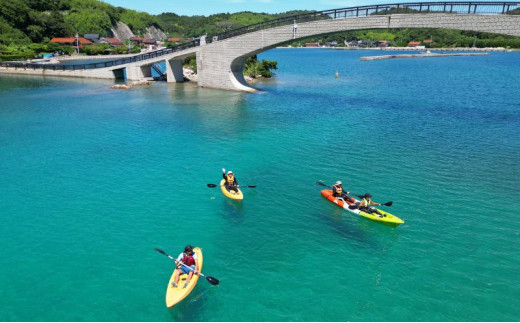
{"points": [[221, 58], [220, 64]]}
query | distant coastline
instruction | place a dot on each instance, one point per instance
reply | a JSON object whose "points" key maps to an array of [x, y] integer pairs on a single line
{"points": [[447, 49]]}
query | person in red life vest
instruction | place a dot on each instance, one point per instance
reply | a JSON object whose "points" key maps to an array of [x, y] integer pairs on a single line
{"points": [[231, 182], [186, 264], [338, 192]]}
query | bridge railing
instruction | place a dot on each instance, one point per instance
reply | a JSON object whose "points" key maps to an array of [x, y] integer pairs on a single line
{"points": [[365, 11], [115, 62], [352, 12]]}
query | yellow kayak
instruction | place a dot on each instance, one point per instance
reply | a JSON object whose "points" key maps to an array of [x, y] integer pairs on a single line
{"points": [[387, 218], [231, 194], [176, 294]]}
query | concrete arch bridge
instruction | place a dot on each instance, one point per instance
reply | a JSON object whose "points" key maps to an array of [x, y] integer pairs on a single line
{"points": [[221, 58]]}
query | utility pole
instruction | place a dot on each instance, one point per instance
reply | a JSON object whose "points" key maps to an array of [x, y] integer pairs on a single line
{"points": [[77, 42]]}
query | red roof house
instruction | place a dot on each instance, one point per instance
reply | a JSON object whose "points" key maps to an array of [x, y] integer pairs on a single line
{"points": [[113, 41], [414, 43], [71, 41]]}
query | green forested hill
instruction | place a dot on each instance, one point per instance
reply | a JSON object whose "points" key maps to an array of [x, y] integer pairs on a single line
{"points": [[214, 24], [25, 21]]}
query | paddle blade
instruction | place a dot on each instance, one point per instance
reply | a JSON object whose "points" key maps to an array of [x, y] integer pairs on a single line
{"points": [[251, 186], [353, 207], [322, 184], [388, 203], [159, 250], [212, 280], [212, 185]]}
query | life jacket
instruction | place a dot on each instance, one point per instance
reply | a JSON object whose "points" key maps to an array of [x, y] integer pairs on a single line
{"points": [[339, 190], [230, 179], [365, 202], [188, 260]]}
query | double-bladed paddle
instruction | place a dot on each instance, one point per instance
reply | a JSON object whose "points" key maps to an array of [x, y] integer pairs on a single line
{"points": [[211, 280], [215, 185], [354, 206]]}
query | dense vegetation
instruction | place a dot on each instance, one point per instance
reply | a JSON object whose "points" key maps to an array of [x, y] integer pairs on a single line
{"points": [[26, 27], [443, 38], [25, 22], [187, 26], [254, 68]]}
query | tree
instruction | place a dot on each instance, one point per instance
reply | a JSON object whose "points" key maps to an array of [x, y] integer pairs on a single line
{"points": [[89, 21]]}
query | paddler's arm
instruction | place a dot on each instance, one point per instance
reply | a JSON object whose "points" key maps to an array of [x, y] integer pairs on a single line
{"points": [[374, 203], [196, 271], [178, 261]]}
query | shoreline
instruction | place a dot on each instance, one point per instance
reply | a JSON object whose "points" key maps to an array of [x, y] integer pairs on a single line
{"points": [[444, 49], [429, 54]]}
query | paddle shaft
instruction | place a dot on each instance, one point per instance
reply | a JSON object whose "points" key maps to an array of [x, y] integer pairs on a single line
{"points": [[167, 255], [389, 203], [215, 185]]}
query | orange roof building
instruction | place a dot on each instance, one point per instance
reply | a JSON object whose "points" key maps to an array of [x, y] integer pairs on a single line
{"points": [[113, 41], [414, 43], [71, 41]]}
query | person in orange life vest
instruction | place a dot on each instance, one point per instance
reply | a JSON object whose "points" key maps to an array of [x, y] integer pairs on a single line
{"points": [[231, 182], [365, 204], [338, 192], [187, 263]]}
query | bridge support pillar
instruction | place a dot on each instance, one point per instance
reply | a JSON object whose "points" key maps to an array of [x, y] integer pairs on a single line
{"points": [[137, 73], [221, 71], [174, 71]]}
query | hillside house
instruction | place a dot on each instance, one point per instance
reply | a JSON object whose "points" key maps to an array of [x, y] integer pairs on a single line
{"points": [[414, 43], [71, 41], [114, 42]]}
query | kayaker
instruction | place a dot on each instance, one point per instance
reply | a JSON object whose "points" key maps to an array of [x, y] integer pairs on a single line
{"points": [[337, 191], [186, 264], [231, 182], [366, 203]]}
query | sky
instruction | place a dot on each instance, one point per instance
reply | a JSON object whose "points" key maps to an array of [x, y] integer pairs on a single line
{"points": [[209, 7]]}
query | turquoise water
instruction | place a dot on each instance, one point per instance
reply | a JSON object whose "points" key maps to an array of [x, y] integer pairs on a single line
{"points": [[93, 179]]}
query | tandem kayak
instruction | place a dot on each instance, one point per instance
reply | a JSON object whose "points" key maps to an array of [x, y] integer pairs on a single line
{"points": [[388, 219], [231, 194], [176, 294]]}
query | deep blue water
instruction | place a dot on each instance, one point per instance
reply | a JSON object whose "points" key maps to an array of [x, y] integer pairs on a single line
{"points": [[93, 179]]}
